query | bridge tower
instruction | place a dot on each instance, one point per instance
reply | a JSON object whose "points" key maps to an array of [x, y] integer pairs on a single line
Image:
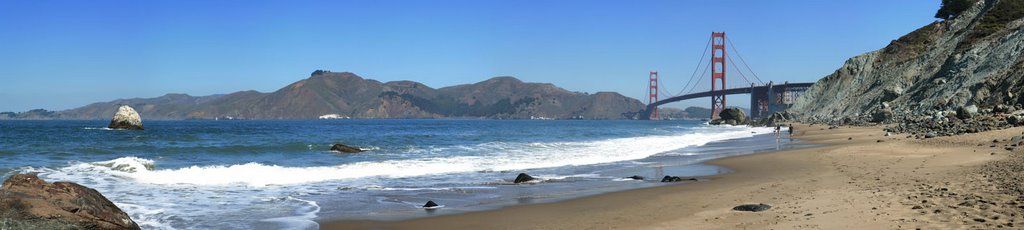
{"points": [[717, 72], [653, 92]]}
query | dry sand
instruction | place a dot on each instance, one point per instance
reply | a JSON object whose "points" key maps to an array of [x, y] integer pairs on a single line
{"points": [[854, 182]]}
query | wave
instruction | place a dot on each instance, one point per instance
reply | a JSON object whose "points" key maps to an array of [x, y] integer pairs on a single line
{"points": [[492, 156]]}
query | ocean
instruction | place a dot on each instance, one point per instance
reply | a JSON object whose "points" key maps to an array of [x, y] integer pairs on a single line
{"points": [[281, 174]]}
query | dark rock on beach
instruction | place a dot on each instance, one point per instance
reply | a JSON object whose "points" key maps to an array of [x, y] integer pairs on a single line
{"points": [[675, 179], [345, 148], [27, 202], [635, 177], [430, 204], [126, 118], [523, 177], [752, 207]]}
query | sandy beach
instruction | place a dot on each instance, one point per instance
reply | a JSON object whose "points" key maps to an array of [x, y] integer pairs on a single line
{"points": [[858, 179]]}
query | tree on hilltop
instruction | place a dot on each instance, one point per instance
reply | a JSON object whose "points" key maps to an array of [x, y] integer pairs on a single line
{"points": [[952, 8]]}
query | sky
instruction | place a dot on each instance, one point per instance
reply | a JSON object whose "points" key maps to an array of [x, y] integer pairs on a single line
{"points": [[60, 55]]}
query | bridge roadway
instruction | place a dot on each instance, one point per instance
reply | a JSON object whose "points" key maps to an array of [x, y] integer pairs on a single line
{"points": [[645, 114]]}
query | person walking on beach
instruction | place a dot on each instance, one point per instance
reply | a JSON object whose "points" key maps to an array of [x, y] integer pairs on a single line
{"points": [[790, 129], [778, 132]]}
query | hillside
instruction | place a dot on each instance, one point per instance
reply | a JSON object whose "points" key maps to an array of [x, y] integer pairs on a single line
{"points": [[973, 57], [347, 94]]}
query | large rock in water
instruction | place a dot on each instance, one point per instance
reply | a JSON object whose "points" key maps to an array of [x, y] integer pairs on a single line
{"points": [[126, 118], [27, 202], [730, 116], [345, 148], [523, 177]]}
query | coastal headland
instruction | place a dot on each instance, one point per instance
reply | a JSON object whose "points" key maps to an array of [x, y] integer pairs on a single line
{"points": [[858, 178]]}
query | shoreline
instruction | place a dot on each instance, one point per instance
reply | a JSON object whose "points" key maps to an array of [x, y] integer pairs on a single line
{"points": [[852, 181]]}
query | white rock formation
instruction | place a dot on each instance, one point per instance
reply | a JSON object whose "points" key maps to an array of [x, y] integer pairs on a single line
{"points": [[126, 118]]}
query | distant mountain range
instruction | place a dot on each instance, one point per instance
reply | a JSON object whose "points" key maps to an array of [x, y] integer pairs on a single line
{"points": [[348, 95]]}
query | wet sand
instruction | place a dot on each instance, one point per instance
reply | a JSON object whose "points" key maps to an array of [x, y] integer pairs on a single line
{"points": [[853, 182]]}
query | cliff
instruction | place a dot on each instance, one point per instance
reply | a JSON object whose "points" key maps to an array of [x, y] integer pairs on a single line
{"points": [[972, 58]]}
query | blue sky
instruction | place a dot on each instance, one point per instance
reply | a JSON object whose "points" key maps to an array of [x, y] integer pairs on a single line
{"points": [[63, 54]]}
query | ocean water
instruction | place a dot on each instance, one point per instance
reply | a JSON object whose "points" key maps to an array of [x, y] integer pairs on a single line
{"points": [[281, 174]]}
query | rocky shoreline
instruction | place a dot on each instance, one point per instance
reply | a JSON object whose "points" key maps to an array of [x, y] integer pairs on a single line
{"points": [[27, 202]]}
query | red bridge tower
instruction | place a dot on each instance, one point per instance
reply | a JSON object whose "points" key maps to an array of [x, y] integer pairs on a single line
{"points": [[717, 72], [653, 91]]}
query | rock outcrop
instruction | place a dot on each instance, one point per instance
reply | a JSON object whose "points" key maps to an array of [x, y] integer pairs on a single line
{"points": [[975, 58], [126, 118], [730, 116], [27, 202], [430, 205], [523, 177], [345, 148]]}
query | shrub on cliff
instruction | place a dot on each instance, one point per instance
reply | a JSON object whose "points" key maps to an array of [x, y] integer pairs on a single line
{"points": [[952, 8], [996, 18]]}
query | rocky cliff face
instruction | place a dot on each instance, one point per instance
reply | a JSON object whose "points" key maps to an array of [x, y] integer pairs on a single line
{"points": [[973, 58], [347, 94]]}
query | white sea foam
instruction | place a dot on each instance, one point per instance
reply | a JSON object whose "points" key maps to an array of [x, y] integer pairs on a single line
{"points": [[303, 219], [492, 156], [142, 188]]}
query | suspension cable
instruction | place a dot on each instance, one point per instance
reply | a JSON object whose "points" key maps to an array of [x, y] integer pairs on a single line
{"points": [[733, 46], [698, 80], [737, 69], [694, 74]]}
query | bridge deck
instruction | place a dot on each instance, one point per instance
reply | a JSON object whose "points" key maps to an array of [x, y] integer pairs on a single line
{"points": [[744, 90]]}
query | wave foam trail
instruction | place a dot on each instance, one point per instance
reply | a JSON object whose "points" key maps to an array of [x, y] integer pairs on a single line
{"points": [[304, 219], [492, 156]]}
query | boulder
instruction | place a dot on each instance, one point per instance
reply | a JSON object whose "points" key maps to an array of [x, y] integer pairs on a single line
{"points": [[27, 202], [126, 118], [752, 207], [965, 112], [523, 177], [882, 115], [730, 116], [736, 114], [1015, 119], [635, 177], [430, 204], [675, 179], [345, 148]]}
